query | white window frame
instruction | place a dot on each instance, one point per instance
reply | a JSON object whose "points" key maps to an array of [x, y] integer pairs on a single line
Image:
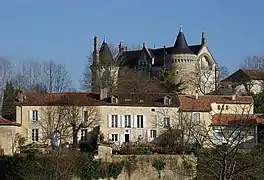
{"points": [[114, 121], [35, 115], [35, 135], [194, 119], [140, 121], [114, 137], [128, 122], [166, 122], [152, 133]]}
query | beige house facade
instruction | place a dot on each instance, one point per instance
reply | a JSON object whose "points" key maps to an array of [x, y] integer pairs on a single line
{"points": [[136, 117]]}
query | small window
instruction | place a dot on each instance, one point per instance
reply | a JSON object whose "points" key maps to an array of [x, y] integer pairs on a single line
{"points": [[153, 134], [114, 121], [114, 137], [35, 135], [152, 109], [114, 100], [166, 122], [84, 134], [167, 100], [140, 121], [218, 107], [141, 101], [196, 117], [127, 121], [227, 107], [34, 115], [177, 72], [85, 115]]}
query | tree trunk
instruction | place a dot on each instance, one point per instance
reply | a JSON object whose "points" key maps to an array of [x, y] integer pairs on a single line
{"points": [[74, 137]]}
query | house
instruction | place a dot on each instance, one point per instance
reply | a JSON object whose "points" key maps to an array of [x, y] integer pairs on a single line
{"points": [[244, 81], [8, 131], [122, 117], [227, 119], [135, 117]]}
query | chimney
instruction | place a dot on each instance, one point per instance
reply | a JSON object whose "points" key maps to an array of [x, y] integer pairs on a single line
{"points": [[122, 48], [20, 97], [196, 94], [103, 93], [234, 97], [96, 44], [96, 51]]}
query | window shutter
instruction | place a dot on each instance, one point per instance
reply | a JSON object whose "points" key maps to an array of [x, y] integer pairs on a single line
{"points": [[109, 121], [109, 137], [30, 115], [123, 120], [39, 115], [121, 138], [119, 121], [135, 121], [145, 124]]}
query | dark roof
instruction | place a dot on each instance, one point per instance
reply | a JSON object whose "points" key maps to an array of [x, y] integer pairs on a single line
{"points": [[243, 75], [130, 58], [93, 99], [203, 103], [5, 122], [181, 45], [105, 54]]}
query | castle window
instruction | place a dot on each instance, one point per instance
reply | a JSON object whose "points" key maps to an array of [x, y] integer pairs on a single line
{"points": [[179, 60], [177, 72]]}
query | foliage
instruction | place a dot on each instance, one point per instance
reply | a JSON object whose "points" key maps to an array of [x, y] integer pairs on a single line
{"points": [[135, 149], [258, 102], [168, 81], [159, 165], [9, 108], [130, 165]]}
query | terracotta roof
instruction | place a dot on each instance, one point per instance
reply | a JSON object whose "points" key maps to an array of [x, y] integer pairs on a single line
{"points": [[203, 103], [93, 99], [237, 119], [5, 122]]}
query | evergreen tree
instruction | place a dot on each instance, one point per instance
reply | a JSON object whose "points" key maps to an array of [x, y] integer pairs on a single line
{"points": [[9, 108], [167, 79], [259, 102]]}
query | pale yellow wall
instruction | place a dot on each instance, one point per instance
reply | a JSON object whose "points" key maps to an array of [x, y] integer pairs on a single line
{"points": [[239, 109], [7, 139]]}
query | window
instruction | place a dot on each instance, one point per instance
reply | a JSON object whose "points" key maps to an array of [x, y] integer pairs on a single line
{"points": [[140, 121], [114, 100], [167, 100], [84, 134], [196, 117], [218, 107], [153, 133], [35, 135], [34, 115], [152, 109], [166, 122], [114, 121], [227, 107], [85, 115], [114, 137], [127, 121]]}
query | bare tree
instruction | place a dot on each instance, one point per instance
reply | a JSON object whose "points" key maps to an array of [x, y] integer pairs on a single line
{"points": [[254, 62], [5, 74], [223, 72], [80, 117], [53, 119], [41, 76]]}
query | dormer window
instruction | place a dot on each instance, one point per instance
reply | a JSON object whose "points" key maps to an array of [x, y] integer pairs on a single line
{"points": [[114, 99], [167, 100]]}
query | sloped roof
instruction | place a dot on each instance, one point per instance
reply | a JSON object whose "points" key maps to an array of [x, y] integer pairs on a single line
{"points": [[237, 119], [93, 99], [203, 103], [105, 54], [244, 75], [181, 45], [5, 122]]}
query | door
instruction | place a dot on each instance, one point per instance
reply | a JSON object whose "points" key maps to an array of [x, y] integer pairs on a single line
{"points": [[126, 137]]}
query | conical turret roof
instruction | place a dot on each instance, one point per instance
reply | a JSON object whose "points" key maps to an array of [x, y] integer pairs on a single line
{"points": [[181, 45]]}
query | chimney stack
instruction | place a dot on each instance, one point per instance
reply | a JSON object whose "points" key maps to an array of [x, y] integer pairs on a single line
{"points": [[96, 50], [196, 94], [234, 97], [122, 47]]}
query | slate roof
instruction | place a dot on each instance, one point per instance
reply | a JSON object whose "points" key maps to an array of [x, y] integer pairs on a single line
{"points": [[244, 75], [203, 103], [105, 54], [130, 58], [181, 45]]}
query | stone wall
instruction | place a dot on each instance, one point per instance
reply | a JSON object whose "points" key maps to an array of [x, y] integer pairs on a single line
{"points": [[177, 167]]}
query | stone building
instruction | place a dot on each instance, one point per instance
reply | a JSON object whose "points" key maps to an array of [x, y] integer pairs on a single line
{"points": [[193, 64]]}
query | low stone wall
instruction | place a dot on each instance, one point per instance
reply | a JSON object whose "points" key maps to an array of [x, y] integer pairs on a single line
{"points": [[177, 167]]}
